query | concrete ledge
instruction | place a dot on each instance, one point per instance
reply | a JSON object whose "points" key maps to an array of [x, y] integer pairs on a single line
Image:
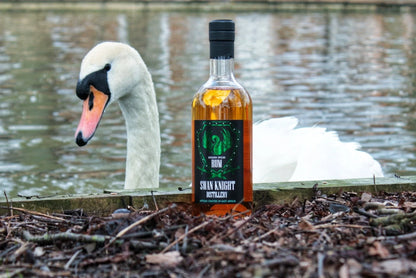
{"points": [[264, 194]]}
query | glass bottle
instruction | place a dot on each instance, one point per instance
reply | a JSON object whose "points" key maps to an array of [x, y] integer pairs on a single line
{"points": [[222, 133]]}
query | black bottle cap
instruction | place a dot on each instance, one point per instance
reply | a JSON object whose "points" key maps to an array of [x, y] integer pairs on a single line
{"points": [[221, 38]]}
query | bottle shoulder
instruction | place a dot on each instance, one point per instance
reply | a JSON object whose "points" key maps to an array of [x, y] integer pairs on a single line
{"points": [[224, 85], [226, 96]]}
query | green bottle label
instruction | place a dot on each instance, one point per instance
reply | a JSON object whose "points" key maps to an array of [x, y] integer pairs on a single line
{"points": [[219, 161]]}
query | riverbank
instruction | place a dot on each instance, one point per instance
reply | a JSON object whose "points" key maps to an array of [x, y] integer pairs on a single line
{"points": [[234, 6]]}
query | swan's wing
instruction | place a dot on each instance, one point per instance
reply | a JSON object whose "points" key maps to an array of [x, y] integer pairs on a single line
{"points": [[283, 153], [324, 156], [275, 153], [277, 125]]}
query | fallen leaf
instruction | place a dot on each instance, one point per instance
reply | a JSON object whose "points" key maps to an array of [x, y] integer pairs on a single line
{"points": [[378, 250], [343, 271], [38, 252], [180, 232], [354, 268], [305, 225], [169, 259], [366, 197], [394, 267]]}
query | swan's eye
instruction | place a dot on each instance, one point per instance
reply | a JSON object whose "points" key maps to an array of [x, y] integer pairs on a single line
{"points": [[107, 67]]}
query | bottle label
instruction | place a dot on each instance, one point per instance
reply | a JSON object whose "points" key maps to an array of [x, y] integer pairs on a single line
{"points": [[218, 161]]}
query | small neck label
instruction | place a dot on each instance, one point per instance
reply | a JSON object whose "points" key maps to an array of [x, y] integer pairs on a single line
{"points": [[219, 161]]}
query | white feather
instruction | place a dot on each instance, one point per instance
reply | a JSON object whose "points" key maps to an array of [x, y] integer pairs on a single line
{"points": [[282, 152]]}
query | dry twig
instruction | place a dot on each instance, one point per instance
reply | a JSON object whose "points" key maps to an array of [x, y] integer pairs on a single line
{"points": [[139, 222], [36, 213], [200, 226]]}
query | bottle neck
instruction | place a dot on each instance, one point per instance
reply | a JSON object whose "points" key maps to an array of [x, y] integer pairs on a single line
{"points": [[222, 69]]}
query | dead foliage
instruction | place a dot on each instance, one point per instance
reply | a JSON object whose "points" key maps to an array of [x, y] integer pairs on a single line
{"points": [[350, 235]]}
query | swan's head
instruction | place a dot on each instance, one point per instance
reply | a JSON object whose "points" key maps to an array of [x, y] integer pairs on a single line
{"points": [[108, 72]]}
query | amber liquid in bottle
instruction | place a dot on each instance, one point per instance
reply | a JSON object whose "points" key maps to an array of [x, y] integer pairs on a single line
{"points": [[224, 103]]}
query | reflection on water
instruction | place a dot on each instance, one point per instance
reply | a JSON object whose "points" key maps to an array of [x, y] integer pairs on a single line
{"points": [[352, 73]]}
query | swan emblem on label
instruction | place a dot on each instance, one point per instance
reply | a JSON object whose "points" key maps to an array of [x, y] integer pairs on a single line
{"points": [[219, 160]]}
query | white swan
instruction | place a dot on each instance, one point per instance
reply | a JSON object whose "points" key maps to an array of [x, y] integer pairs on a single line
{"points": [[114, 71]]}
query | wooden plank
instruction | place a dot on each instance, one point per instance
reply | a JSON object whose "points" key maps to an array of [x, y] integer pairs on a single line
{"points": [[285, 192], [264, 194], [207, 6]]}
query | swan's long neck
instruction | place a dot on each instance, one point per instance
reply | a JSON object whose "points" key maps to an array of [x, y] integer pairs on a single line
{"points": [[143, 136]]}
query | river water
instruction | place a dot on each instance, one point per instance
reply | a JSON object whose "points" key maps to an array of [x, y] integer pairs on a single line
{"points": [[353, 73]]}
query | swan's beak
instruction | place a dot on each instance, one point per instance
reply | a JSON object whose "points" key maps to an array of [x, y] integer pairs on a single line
{"points": [[92, 110]]}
